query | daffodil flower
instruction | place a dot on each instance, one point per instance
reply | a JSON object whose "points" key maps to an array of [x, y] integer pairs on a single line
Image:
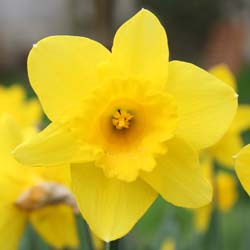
{"points": [[225, 194], [129, 122], [13, 101], [223, 151], [22, 188], [231, 143], [242, 167]]}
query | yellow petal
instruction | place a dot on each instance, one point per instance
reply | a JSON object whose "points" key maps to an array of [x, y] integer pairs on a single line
{"points": [[12, 226], [202, 215], [56, 225], [242, 167], [14, 177], [202, 218], [110, 207], [226, 148], [59, 174], [206, 163], [206, 105], [241, 120], [178, 177], [62, 69], [57, 144], [223, 72], [226, 191], [140, 49], [13, 180], [33, 113]]}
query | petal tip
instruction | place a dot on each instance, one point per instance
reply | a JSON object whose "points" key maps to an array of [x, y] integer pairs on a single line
{"points": [[15, 153], [20, 154], [147, 12]]}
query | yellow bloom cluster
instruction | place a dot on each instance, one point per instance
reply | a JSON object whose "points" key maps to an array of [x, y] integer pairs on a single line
{"points": [[223, 152], [23, 189], [128, 122], [126, 126]]}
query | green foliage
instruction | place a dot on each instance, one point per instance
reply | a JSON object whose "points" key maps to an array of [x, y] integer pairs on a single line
{"points": [[31, 240]]}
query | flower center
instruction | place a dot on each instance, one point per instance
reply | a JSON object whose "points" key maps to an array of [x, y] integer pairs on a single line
{"points": [[122, 119]]}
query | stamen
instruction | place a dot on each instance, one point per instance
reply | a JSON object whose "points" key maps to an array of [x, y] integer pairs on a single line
{"points": [[121, 119]]}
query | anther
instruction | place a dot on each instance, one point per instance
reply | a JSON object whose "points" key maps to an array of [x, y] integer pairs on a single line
{"points": [[121, 119]]}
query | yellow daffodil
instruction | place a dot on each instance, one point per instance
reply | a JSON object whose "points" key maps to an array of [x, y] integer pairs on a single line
{"points": [[224, 183], [129, 122], [242, 167], [168, 244], [224, 198], [13, 101], [22, 189], [231, 143]]}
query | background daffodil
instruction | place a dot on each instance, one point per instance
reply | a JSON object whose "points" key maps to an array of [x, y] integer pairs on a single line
{"points": [[223, 151], [225, 194], [13, 101], [129, 122], [23, 190], [242, 167], [168, 244], [231, 142]]}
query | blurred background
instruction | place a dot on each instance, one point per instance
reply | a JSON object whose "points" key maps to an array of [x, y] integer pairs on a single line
{"points": [[204, 32]]}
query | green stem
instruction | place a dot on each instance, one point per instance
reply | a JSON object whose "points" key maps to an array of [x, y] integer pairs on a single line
{"points": [[112, 245], [84, 234], [107, 245], [88, 236], [212, 238]]}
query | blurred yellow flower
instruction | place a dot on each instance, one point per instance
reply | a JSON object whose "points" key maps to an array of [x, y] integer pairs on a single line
{"points": [[226, 191], [129, 122], [168, 244], [242, 167], [23, 188], [231, 142], [13, 101], [223, 182], [225, 194]]}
